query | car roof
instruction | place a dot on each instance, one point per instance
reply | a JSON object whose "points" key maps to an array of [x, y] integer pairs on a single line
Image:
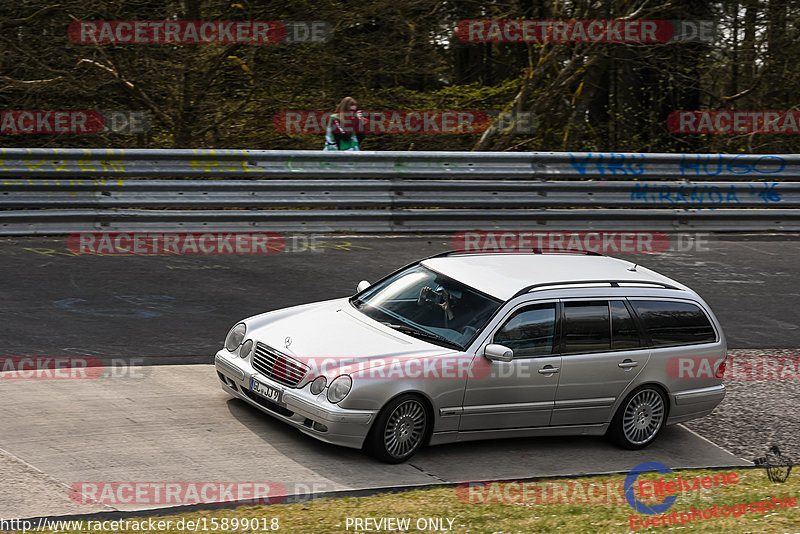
{"points": [[503, 275]]}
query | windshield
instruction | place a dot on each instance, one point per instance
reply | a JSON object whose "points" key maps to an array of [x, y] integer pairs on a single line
{"points": [[428, 305]]}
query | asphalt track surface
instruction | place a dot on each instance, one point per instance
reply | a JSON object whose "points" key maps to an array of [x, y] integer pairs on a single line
{"points": [[174, 424], [166, 422], [178, 309]]}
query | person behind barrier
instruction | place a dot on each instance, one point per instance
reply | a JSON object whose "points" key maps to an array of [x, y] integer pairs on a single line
{"points": [[345, 130]]}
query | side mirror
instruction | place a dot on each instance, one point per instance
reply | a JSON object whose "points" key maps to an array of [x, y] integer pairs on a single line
{"points": [[362, 285], [498, 353]]}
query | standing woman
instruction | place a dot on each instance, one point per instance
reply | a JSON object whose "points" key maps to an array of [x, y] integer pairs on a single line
{"points": [[346, 127]]}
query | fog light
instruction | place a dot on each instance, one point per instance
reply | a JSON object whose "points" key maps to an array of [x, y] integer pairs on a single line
{"points": [[319, 427]]}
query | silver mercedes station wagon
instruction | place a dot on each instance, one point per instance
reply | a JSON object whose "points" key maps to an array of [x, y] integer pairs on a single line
{"points": [[467, 346]]}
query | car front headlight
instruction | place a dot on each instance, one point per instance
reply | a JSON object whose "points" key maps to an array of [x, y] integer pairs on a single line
{"points": [[318, 385], [247, 349], [339, 388], [235, 337]]}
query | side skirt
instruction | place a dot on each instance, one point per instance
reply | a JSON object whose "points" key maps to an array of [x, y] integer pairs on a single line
{"points": [[439, 438]]}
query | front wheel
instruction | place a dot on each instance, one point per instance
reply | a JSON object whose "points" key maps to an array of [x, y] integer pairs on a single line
{"points": [[399, 430], [639, 419]]}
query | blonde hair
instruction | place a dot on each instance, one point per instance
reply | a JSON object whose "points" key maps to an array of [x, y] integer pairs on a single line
{"points": [[345, 104]]}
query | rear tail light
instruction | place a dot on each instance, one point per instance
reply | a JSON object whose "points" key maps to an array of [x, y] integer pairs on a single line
{"points": [[721, 368]]}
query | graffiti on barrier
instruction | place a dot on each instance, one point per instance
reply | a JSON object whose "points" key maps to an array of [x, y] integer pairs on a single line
{"points": [[702, 194], [608, 163], [714, 164]]}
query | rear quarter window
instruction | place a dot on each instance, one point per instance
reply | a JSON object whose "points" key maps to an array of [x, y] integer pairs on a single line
{"points": [[671, 323]]}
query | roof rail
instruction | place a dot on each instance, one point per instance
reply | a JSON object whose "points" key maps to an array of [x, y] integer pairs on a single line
{"points": [[534, 250], [613, 283]]}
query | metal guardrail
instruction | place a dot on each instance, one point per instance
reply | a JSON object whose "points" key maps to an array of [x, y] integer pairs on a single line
{"points": [[396, 194], [75, 190], [261, 164]]}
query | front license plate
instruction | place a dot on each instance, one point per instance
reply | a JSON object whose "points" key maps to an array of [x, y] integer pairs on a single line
{"points": [[269, 392]]}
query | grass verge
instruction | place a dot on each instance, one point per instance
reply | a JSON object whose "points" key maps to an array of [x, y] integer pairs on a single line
{"points": [[569, 505]]}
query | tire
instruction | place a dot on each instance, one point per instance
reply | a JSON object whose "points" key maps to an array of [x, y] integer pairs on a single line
{"points": [[399, 430], [639, 419]]}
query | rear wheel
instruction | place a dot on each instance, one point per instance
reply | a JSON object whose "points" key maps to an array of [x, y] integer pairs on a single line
{"points": [[399, 430], [639, 418]]}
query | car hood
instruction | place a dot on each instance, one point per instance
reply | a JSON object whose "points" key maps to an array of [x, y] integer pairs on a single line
{"points": [[332, 337]]}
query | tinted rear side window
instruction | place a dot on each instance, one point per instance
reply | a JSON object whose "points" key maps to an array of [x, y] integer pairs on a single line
{"points": [[586, 326], [674, 323]]}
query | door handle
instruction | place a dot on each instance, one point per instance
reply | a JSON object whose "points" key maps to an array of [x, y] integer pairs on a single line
{"points": [[627, 364], [548, 370]]}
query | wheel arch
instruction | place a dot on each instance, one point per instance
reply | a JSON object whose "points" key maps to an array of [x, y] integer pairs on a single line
{"points": [[427, 403], [661, 387]]}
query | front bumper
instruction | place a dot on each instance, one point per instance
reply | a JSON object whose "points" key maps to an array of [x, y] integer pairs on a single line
{"points": [[312, 414]]}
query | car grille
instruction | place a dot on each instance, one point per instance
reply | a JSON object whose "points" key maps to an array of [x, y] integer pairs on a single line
{"points": [[277, 366]]}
